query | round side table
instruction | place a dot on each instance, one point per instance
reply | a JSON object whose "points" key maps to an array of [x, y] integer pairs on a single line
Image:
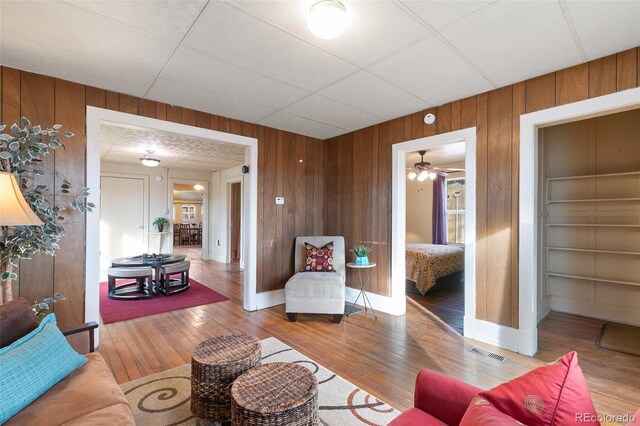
{"points": [[275, 394], [215, 364], [358, 269]]}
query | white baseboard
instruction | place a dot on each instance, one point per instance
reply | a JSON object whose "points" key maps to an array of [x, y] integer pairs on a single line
{"points": [[493, 334], [379, 303], [601, 311], [267, 299], [544, 308]]}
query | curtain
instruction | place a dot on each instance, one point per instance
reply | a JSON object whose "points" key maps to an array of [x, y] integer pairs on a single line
{"points": [[439, 210]]}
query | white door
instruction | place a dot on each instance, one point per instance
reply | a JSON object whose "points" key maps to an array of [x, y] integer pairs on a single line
{"points": [[121, 218]]}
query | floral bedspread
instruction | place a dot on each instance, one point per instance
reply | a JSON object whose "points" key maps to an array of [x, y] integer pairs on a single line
{"points": [[425, 263]]}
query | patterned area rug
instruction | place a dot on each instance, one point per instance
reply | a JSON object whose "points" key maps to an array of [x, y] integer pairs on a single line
{"points": [[164, 398]]}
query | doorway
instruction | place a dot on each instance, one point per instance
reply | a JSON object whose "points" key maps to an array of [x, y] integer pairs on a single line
{"points": [[235, 225], [188, 202], [435, 221]]}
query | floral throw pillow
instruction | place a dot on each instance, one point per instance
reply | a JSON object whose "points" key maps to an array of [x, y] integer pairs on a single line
{"points": [[319, 259]]}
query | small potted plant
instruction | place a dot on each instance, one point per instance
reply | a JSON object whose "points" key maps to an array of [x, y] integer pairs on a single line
{"points": [[362, 253], [160, 223]]}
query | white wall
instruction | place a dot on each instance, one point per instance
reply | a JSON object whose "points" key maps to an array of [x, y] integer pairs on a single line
{"points": [[219, 206], [419, 211], [159, 193]]}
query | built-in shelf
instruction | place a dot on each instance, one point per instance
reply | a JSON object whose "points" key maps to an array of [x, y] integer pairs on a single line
{"points": [[592, 225], [603, 175], [581, 250], [587, 278], [593, 200]]}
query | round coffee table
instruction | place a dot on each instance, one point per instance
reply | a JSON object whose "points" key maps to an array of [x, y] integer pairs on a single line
{"points": [[275, 394], [215, 364]]}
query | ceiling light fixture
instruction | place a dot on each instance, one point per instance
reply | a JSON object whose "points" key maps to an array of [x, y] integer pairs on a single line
{"points": [[327, 19], [148, 161], [198, 187], [422, 170]]}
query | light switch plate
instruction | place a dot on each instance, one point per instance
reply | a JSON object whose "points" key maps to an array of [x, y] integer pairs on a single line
{"points": [[279, 200]]}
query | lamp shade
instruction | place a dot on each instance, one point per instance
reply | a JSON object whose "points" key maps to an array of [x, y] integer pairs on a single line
{"points": [[14, 210]]}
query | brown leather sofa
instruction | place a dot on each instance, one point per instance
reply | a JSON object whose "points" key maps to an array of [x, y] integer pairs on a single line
{"points": [[88, 396]]}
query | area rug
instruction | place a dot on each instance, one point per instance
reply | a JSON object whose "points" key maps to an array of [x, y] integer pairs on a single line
{"points": [[620, 338], [120, 310], [164, 398]]}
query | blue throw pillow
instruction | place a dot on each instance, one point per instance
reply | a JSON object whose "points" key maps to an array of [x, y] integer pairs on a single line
{"points": [[31, 365]]}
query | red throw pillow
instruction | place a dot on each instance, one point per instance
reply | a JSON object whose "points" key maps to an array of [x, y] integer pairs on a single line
{"points": [[319, 259], [482, 413], [551, 395]]}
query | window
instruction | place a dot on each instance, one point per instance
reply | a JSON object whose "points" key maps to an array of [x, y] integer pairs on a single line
{"points": [[455, 210]]}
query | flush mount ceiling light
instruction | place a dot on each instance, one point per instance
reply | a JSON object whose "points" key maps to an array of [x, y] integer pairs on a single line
{"points": [[327, 19], [198, 187], [148, 161]]}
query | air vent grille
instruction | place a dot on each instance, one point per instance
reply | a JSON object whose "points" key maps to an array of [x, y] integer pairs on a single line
{"points": [[487, 354]]}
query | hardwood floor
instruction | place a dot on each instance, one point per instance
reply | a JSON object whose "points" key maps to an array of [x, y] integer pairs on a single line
{"points": [[445, 300], [381, 356]]}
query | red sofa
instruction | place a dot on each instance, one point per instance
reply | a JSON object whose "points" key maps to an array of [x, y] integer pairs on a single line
{"points": [[438, 400]]}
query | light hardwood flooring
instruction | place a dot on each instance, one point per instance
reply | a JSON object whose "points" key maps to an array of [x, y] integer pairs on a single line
{"points": [[381, 356]]}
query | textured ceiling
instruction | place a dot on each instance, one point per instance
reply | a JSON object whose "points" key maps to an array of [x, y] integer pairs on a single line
{"points": [[126, 144], [257, 61]]}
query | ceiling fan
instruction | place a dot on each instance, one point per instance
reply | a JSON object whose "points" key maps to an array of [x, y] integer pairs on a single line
{"points": [[423, 169]]}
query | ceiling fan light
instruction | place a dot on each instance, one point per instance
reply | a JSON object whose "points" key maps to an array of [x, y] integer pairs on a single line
{"points": [[327, 19], [412, 175], [422, 176], [433, 175]]}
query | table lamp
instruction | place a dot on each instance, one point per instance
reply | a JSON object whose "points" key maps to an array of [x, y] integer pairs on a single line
{"points": [[14, 210]]}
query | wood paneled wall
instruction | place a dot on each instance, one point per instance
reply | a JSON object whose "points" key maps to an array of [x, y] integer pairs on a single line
{"points": [[358, 172], [289, 165]]}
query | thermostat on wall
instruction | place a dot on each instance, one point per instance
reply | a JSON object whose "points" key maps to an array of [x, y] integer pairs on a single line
{"points": [[279, 200]]}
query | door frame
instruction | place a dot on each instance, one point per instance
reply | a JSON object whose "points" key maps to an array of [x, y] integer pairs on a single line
{"points": [[228, 182], [398, 300], [95, 116], [528, 277], [204, 252]]}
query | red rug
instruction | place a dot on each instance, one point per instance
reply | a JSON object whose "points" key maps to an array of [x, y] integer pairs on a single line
{"points": [[120, 310]]}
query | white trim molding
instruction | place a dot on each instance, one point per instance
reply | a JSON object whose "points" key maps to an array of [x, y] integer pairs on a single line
{"points": [[528, 278], [96, 116], [397, 303]]}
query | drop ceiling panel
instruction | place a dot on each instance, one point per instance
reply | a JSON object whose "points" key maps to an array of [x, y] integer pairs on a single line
{"points": [[304, 126], [511, 41], [373, 95], [439, 14], [166, 18], [68, 37], [601, 24], [207, 73], [433, 72], [324, 110], [238, 38], [206, 100], [367, 39]]}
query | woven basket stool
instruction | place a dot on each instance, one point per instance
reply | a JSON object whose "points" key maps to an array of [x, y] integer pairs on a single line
{"points": [[215, 364], [276, 394]]}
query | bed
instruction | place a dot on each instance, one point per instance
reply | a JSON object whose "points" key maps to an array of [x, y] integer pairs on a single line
{"points": [[425, 263]]}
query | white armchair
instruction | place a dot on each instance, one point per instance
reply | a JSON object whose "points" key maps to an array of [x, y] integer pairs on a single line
{"points": [[317, 292]]}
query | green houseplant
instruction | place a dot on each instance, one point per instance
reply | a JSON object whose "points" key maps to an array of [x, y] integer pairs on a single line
{"points": [[362, 254], [160, 223], [21, 153]]}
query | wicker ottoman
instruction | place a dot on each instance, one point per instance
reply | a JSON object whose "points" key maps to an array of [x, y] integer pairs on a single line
{"points": [[280, 393], [215, 364]]}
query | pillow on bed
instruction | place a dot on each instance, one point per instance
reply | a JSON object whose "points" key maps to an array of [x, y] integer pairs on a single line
{"points": [[318, 259]]}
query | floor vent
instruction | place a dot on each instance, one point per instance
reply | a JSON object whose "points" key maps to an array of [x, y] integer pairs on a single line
{"points": [[487, 354]]}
